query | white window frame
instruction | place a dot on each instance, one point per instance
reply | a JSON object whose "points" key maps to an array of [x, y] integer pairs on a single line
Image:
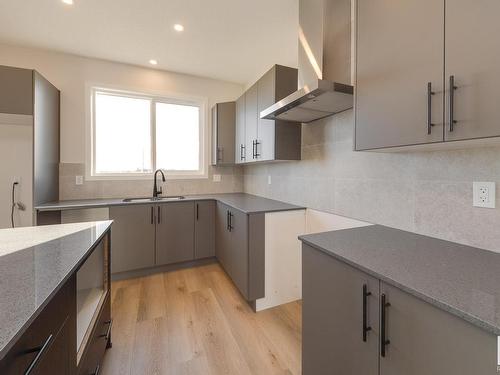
{"points": [[200, 102]]}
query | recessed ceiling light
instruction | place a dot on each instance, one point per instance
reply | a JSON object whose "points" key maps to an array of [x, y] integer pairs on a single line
{"points": [[178, 27], [68, 2], [153, 62]]}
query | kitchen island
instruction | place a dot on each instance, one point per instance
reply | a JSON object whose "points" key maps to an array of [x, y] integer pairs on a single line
{"points": [[48, 320]]}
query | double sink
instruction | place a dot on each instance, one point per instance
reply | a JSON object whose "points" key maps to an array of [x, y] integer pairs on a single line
{"points": [[153, 199]]}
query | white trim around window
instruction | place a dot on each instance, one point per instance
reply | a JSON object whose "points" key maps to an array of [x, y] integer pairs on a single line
{"points": [[90, 166]]}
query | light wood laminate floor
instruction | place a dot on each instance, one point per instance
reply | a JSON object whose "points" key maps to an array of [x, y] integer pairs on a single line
{"points": [[194, 321]]}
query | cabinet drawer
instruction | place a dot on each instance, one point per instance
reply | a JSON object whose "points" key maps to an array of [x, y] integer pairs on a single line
{"points": [[45, 332], [96, 346]]}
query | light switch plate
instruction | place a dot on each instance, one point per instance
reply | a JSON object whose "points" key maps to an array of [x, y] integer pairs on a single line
{"points": [[484, 194], [217, 177], [79, 180]]}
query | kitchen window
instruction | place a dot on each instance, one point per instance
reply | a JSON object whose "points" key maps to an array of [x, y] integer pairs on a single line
{"points": [[132, 135]]}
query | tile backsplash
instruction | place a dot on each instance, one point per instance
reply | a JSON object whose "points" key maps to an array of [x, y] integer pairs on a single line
{"points": [[231, 181], [425, 192]]}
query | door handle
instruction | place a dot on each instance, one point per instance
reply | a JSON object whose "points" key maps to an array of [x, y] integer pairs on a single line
{"points": [[106, 335], [253, 149], [366, 328], [452, 103], [242, 153], [429, 107], [219, 152], [40, 351], [227, 220], [152, 214], [384, 341], [197, 211], [257, 143], [231, 221]]}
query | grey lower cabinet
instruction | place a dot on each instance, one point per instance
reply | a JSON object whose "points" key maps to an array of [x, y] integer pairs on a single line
{"points": [[356, 324], [223, 136], [240, 249], [175, 232], [204, 229], [151, 235], [332, 311], [133, 237]]}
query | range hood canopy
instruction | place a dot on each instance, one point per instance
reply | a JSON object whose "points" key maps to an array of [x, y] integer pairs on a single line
{"points": [[312, 102], [324, 61]]}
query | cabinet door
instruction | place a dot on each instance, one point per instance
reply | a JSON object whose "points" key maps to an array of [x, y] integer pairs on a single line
{"points": [[16, 90], [332, 311], [222, 236], [204, 229], [175, 232], [133, 237], [473, 58], [265, 129], [224, 117], [399, 51], [427, 340], [241, 151], [251, 116], [238, 251]]}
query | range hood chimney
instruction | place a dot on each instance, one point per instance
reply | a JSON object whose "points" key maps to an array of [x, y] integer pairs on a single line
{"points": [[324, 64]]}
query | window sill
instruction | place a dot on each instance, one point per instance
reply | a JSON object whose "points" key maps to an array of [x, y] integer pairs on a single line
{"points": [[146, 177]]}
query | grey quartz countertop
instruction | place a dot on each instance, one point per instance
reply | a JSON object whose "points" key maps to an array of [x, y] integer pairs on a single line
{"points": [[247, 203], [34, 264], [459, 279]]}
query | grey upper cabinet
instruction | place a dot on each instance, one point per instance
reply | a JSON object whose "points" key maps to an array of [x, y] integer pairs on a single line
{"points": [[472, 56], [267, 140], [204, 229], [133, 237], [175, 232], [399, 54], [223, 133], [240, 140], [427, 340], [333, 323], [251, 121], [16, 90]]}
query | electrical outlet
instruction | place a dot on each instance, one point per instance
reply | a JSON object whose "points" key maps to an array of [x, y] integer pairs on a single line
{"points": [[484, 194], [79, 180], [217, 177], [269, 180]]}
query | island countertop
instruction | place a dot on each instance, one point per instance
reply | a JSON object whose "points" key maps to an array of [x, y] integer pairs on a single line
{"points": [[247, 203], [462, 280], [34, 264]]}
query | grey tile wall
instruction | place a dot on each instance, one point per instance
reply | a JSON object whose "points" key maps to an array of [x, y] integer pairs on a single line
{"points": [[426, 192], [231, 181]]}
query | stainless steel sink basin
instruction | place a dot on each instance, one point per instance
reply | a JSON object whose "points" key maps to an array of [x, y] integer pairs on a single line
{"points": [[151, 199]]}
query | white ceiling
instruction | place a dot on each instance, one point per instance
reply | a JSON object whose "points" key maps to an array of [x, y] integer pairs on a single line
{"points": [[233, 40]]}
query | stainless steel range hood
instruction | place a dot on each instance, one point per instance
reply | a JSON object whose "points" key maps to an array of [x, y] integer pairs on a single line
{"points": [[324, 61]]}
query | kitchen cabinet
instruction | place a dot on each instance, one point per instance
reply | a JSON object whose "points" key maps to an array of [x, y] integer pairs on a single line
{"points": [[399, 52], [223, 133], [472, 57], [240, 246], [277, 140], [52, 334], [204, 230], [175, 232], [400, 96], [427, 340], [133, 237], [267, 140], [406, 335], [336, 338], [240, 140], [251, 121]]}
